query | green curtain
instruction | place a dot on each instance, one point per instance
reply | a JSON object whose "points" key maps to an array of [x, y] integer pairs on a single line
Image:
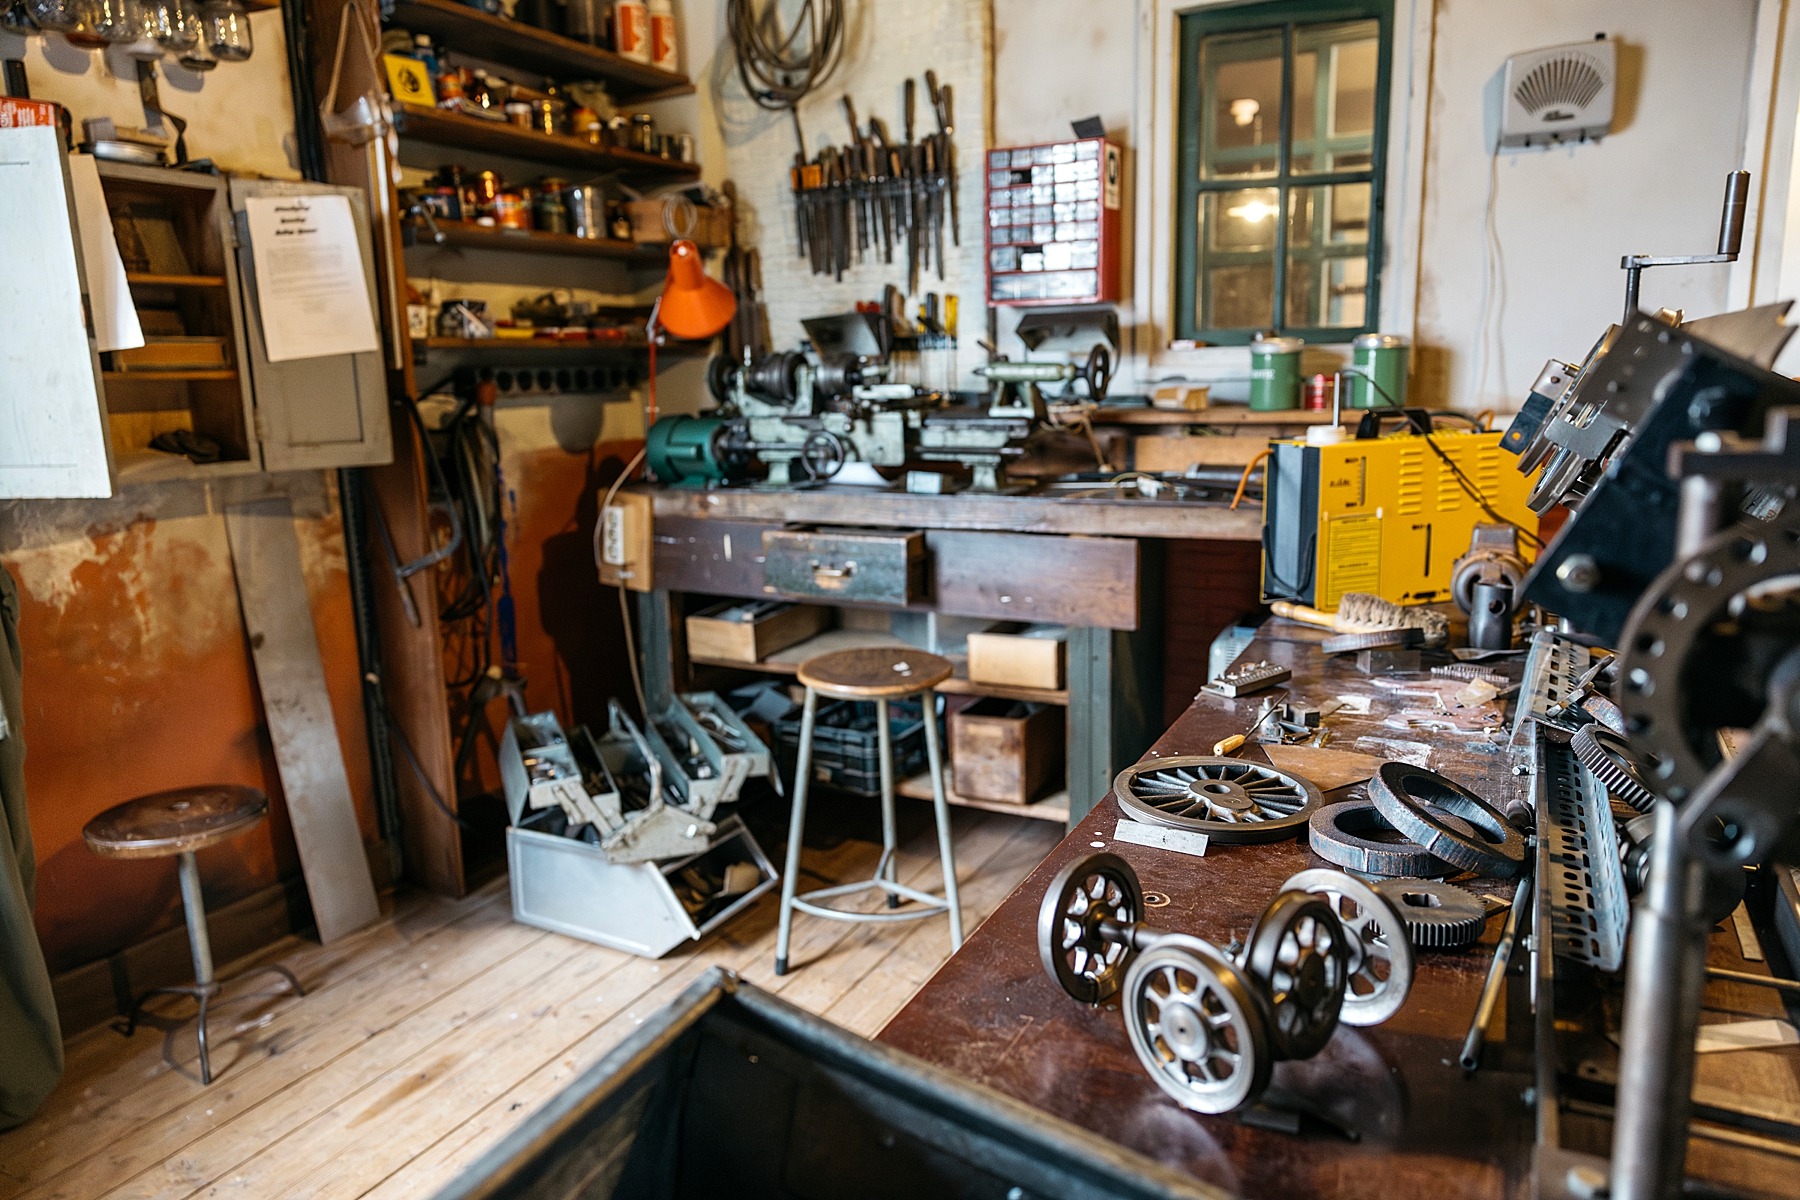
{"points": [[30, 1039]]}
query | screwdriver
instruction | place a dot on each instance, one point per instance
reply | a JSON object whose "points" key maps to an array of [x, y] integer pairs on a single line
{"points": [[1231, 744]]}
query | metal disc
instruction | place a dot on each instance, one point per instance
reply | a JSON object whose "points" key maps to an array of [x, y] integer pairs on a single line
{"points": [[1298, 957], [1232, 801], [1414, 800], [1353, 834], [1380, 953], [1438, 916], [1086, 892], [1197, 1026]]}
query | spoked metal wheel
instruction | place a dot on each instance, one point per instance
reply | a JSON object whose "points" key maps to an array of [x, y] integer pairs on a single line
{"points": [[1090, 891], [1297, 957], [1197, 1026], [1228, 799], [1379, 956]]}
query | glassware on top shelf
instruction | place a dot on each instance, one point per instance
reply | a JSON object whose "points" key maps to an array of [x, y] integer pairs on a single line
{"points": [[66, 17], [15, 18], [227, 29], [177, 26]]}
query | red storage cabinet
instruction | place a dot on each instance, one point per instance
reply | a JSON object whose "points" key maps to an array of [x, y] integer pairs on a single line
{"points": [[1053, 223]]}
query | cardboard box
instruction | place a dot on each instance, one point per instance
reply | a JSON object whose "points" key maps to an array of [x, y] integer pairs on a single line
{"points": [[1006, 751], [748, 631], [1174, 397], [1032, 657]]}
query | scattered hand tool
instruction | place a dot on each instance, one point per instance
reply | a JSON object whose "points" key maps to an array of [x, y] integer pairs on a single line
{"points": [[1232, 744]]}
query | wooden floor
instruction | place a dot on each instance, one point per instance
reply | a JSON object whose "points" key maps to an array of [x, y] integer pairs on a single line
{"points": [[423, 1040]]}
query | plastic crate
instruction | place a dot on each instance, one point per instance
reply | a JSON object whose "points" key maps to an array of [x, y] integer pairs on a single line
{"points": [[846, 752]]}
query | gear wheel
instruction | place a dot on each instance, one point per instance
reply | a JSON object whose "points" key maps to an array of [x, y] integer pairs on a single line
{"points": [[1353, 834], [1608, 755], [1231, 800], [1416, 800], [1438, 916]]}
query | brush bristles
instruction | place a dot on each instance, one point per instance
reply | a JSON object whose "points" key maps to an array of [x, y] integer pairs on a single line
{"points": [[1369, 613]]}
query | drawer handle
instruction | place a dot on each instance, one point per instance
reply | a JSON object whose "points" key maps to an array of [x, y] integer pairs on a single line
{"points": [[821, 571]]}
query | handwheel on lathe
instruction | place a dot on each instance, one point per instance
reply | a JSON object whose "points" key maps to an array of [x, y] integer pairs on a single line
{"points": [[1379, 953], [1297, 958], [1082, 941], [1198, 1027]]}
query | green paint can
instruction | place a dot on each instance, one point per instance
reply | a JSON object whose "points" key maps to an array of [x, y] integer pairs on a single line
{"points": [[1377, 376], [1275, 373]]}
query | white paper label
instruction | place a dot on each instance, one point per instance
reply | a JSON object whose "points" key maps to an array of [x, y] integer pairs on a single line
{"points": [[310, 288]]}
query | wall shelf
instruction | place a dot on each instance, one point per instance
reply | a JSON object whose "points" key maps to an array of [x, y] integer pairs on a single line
{"points": [[516, 44], [151, 375], [146, 279], [469, 236], [441, 127]]}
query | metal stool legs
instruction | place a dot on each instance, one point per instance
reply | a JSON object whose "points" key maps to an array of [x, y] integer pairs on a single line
{"points": [[887, 874], [205, 986]]}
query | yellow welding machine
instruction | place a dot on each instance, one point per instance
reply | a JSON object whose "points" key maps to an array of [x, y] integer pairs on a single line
{"points": [[1386, 515]]}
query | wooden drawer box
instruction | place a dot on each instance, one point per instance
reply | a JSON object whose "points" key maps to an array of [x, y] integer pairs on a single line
{"points": [[1006, 750], [872, 566], [1017, 657], [748, 631]]}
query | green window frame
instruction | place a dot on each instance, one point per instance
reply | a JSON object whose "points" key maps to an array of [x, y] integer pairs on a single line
{"points": [[1303, 199]]}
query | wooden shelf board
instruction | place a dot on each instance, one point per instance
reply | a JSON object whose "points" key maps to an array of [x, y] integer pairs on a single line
{"points": [[470, 31], [1223, 415], [154, 466], [786, 662], [146, 279], [151, 375], [1052, 807], [440, 127], [470, 236]]}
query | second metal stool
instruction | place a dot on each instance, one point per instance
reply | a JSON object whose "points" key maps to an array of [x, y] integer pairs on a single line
{"points": [[178, 823], [879, 675]]}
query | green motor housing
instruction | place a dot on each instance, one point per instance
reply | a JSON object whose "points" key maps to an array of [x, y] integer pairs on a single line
{"points": [[693, 451]]}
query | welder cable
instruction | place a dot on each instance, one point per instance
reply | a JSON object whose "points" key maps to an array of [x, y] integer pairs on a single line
{"points": [[778, 70], [1244, 479]]}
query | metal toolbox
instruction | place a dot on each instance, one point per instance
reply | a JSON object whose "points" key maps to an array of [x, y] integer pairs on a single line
{"points": [[874, 566], [568, 886]]}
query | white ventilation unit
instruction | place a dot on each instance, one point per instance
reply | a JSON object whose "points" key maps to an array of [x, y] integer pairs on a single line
{"points": [[1559, 94]]}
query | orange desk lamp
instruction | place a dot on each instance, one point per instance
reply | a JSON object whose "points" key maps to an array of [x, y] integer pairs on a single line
{"points": [[693, 305]]}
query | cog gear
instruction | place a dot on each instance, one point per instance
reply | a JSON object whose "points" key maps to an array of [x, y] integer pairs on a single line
{"points": [[1608, 755], [1353, 834], [1415, 800], [1438, 916]]}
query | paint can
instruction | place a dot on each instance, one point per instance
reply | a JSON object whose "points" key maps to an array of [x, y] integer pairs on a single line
{"points": [[587, 211], [1379, 363], [1275, 373]]}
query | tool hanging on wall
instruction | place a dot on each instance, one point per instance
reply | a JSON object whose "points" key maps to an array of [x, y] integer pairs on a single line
{"points": [[874, 194]]}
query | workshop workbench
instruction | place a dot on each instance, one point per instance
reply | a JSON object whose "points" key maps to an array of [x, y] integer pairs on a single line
{"points": [[992, 1014]]}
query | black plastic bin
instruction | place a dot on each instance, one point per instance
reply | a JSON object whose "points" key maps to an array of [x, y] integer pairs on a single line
{"points": [[846, 751], [733, 1092]]}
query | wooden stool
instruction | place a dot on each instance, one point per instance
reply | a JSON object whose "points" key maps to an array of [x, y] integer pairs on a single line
{"points": [[881, 675], [179, 823]]}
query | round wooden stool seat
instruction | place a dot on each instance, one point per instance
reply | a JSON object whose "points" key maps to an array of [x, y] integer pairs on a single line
{"points": [[876, 673], [175, 822]]}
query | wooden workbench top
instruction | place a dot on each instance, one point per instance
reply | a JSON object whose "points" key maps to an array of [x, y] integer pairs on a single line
{"points": [[1031, 513], [992, 1013]]}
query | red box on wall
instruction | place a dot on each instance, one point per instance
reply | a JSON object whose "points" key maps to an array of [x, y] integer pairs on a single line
{"points": [[1053, 217], [16, 113]]}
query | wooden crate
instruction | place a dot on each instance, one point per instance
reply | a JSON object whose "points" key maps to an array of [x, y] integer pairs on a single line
{"points": [[711, 635], [1006, 751]]}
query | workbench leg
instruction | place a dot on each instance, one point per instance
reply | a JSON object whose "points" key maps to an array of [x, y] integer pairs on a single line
{"points": [[656, 647], [934, 761], [1090, 719], [887, 869], [790, 875]]}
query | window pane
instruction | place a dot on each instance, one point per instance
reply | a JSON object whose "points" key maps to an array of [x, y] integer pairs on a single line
{"points": [[1334, 96], [1240, 104], [1328, 256], [1236, 275]]}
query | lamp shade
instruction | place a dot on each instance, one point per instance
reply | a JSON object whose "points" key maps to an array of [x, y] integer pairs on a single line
{"points": [[694, 305]]}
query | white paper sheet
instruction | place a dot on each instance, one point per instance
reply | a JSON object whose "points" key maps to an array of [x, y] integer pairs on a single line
{"points": [[109, 297], [1744, 1035], [310, 289]]}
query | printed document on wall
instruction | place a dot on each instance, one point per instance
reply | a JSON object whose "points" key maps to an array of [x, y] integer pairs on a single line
{"points": [[310, 289]]}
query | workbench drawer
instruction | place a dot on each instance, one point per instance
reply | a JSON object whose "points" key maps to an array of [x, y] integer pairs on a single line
{"points": [[872, 566]]}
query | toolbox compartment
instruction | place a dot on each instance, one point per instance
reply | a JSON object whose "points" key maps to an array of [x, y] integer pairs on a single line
{"points": [[872, 566]]}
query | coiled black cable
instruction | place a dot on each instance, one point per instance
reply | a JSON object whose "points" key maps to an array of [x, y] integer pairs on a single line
{"points": [[777, 69]]}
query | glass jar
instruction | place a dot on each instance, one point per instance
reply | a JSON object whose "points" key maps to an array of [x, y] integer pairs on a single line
{"points": [[63, 16], [226, 29], [197, 58], [174, 24], [126, 23], [15, 18]]}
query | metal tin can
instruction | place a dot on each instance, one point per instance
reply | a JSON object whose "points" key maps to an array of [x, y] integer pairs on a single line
{"points": [[643, 133], [452, 87], [586, 124], [1318, 392], [1379, 364], [482, 195], [618, 131], [511, 211], [551, 116], [684, 147], [522, 114], [1275, 373], [551, 210], [444, 203], [586, 206]]}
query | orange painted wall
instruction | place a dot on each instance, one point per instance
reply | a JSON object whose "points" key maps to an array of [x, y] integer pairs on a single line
{"points": [[138, 677]]}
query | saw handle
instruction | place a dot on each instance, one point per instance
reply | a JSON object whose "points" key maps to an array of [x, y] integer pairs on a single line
{"points": [[1295, 611]]}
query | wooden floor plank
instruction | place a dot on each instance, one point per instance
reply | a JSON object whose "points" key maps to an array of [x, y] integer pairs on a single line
{"points": [[428, 1037], [246, 1037]]}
